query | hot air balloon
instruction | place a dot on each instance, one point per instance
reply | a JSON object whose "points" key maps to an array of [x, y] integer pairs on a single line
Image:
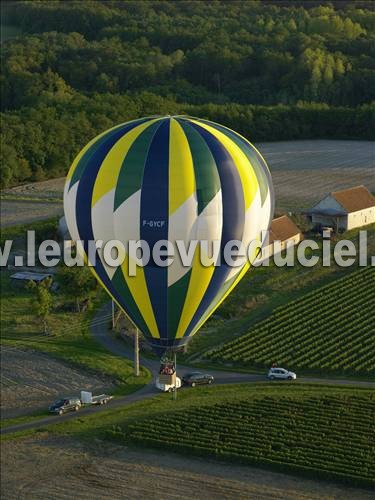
{"points": [[168, 178]]}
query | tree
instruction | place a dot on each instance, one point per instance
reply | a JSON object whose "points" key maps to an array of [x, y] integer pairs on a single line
{"points": [[42, 302], [14, 168], [78, 68], [77, 283]]}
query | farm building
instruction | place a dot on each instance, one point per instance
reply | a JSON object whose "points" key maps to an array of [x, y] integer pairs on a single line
{"points": [[22, 278], [282, 229], [346, 209]]}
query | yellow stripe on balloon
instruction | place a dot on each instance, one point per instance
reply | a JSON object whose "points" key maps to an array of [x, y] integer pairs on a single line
{"points": [[112, 163], [181, 168], [92, 269], [139, 292], [210, 311], [244, 138], [138, 288], [246, 172], [240, 275], [83, 151], [250, 143], [199, 280]]}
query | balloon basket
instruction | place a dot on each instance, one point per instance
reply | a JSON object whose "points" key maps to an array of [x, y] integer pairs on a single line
{"points": [[167, 371]]}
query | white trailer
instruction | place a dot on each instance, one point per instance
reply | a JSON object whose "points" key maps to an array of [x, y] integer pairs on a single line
{"points": [[88, 398]]}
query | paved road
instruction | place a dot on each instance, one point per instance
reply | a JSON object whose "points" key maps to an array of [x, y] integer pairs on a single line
{"points": [[116, 346], [101, 334]]}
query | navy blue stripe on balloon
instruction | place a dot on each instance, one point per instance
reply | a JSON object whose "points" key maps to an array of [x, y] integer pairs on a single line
{"points": [[91, 151], [252, 155], [84, 199], [154, 220], [233, 217]]}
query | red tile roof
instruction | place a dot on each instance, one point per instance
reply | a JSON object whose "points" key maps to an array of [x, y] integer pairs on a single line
{"points": [[354, 199], [282, 229]]}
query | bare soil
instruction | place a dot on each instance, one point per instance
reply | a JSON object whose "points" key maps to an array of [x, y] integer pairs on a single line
{"points": [[45, 467], [31, 381], [296, 190], [318, 154], [302, 171], [25, 204]]}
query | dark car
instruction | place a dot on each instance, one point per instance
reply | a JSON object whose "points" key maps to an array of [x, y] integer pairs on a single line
{"points": [[197, 378], [66, 404]]}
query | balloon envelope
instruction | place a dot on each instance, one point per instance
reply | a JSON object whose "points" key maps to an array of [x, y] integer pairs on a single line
{"points": [[168, 178]]}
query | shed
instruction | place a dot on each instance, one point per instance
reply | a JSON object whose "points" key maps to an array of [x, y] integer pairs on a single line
{"points": [[345, 209], [23, 277], [282, 229]]}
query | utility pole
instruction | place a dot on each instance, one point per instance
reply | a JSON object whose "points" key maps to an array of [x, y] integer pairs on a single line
{"points": [[136, 353], [175, 371], [113, 315]]}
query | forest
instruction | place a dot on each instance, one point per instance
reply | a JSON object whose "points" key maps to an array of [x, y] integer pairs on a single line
{"points": [[270, 70]]}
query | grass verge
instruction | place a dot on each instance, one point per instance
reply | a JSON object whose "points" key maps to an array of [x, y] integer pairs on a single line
{"points": [[8, 422]]}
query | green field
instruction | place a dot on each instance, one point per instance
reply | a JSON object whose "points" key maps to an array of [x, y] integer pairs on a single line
{"points": [[329, 330], [314, 430], [265, 289], [317, 431]]}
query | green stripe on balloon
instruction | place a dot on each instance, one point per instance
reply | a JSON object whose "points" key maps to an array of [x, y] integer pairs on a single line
{"points": [[205, 169], [128, 303], [90, 153], [176, 300], [250, 154], [131, 173]]}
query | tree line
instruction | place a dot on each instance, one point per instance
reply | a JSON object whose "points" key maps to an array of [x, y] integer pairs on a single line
{"points": [[41, 142], [270, 71]]}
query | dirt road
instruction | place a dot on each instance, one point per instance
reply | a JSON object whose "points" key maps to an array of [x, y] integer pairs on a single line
{"points": [[43, 467]]}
